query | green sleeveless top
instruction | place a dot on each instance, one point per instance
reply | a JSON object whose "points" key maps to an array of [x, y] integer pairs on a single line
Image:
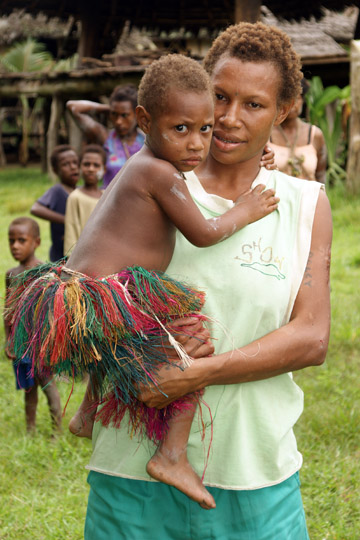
{"points": [[251, 280]]}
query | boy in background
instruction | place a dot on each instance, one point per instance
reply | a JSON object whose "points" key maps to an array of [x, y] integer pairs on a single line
{"points": [[81, 202], [24, 238], [51, 206]]}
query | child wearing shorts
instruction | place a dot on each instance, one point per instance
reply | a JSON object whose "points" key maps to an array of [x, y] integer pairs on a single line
{"points": [[24, 238]]}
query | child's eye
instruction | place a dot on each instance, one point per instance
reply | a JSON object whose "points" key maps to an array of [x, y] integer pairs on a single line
{"points": [[254, 105], [181, 128], [206, 128], [220, 97]]}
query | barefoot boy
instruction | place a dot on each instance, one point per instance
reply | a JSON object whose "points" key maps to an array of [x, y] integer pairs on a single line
{"points": [[24, 238], [51, 206], [126, 245], [82, 201]]}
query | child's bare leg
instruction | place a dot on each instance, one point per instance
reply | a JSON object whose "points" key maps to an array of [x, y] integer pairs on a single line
{"points": [[31, 401], [170, 464], [53, 398], [82, 422]]}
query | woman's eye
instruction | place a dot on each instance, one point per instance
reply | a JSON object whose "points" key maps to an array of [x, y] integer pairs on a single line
{"points": [[254, 105], [206, 128], [181, 128], [220, 97]]}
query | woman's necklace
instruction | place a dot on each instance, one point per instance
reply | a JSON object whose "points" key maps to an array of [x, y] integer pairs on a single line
{"points": [[295, 162]]}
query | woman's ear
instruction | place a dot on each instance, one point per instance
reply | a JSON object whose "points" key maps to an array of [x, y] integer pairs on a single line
{"points": [[282, 112], [143, 119]]}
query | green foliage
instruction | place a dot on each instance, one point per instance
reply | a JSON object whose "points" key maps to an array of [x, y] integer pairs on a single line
{"points": [[319, 101], [26, 57], [31, 56], [67, 64], [43, 481]]}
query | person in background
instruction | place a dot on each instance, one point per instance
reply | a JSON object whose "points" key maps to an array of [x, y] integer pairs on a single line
{"points": [[51, 206], [82, 201], [121, 142], [24, 239], [299, 147]]}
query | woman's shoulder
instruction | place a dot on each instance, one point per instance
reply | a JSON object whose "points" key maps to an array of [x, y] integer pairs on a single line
{"points": [[288, 186]]}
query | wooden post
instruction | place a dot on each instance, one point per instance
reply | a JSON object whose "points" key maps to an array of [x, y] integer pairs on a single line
{"points": [[247, 11], [353, 164], [57, 107], [75, 135], [2, 153]]}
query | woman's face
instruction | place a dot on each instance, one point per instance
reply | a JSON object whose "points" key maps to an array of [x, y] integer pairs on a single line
{"points": [[246, 108], [122, 116]]}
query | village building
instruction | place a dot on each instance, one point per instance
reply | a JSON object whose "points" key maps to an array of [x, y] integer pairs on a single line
{"points": [[115, 41]]}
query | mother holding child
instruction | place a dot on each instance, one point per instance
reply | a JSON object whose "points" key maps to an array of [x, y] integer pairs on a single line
{"points": [[257, 242], [268, 286]]}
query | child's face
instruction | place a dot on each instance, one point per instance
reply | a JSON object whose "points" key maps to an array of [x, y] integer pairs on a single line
{"points": [[92, 168], [68, 168], [22, 242], [182, 135]]}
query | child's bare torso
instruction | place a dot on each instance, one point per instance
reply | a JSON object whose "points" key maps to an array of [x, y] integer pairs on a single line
{"points": [[128, 226]]}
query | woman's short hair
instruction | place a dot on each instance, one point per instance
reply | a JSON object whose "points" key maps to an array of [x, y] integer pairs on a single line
{"points": [[260, 43], [125, 92]]}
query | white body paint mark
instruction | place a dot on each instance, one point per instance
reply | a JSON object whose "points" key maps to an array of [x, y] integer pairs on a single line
{"points": [[178, 193]]}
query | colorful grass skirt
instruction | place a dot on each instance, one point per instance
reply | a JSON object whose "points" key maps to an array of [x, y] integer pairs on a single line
{"points": [[112, 328]]}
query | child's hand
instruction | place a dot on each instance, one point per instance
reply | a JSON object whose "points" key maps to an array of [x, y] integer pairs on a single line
{"points": [[193, 336], [258, 202], [268, 159]]}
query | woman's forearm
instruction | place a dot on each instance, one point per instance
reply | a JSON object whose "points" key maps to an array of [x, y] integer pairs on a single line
{"points": [[289, 348]]}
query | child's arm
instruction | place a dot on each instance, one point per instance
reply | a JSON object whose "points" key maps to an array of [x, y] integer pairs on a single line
{"points": [[43, 212], [173, 196]]}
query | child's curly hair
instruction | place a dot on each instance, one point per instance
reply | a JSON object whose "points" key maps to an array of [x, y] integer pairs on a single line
{"points": [[260, 43], [171, 71]]}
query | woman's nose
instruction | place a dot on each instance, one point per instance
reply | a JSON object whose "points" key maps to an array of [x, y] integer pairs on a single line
{"points": [[231, 116]]}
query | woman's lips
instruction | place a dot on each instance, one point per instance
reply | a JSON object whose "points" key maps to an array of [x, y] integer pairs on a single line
{"points": [[227, 139]]}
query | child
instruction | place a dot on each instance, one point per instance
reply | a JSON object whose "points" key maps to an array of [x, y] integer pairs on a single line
{"points": [[82, 201], [134, 223], [52, 204], [24, 238]]}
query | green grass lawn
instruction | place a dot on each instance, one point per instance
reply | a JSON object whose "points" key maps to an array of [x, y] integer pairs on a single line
{"points": [[43, 480]]}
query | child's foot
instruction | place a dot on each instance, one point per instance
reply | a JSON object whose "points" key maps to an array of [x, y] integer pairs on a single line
{"points": [[179, 473], [82, 423]]}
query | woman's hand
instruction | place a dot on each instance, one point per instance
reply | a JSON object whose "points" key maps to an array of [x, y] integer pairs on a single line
{"points": [[174, 382]]}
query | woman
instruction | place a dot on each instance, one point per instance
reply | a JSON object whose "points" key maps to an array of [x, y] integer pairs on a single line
{"points": [[268, 287], [299, 147], [124, 139]]}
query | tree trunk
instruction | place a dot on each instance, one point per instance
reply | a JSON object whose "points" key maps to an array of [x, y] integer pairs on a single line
{"points": [[2, 153], [353, 165], [75, 133], [24, 144], [57, 107]]}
